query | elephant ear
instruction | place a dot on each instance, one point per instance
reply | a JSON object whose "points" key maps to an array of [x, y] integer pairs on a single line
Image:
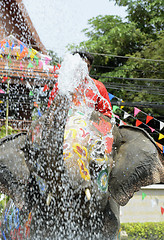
{"points": [[13, 169], [138, 162]]}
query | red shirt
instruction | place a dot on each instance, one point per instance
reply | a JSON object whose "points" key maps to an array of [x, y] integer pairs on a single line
{"points": [[103, 105]]}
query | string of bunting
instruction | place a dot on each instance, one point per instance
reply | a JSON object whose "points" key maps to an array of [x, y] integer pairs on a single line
{"points": [[148, 118], [138, 122], [136, 111], [11, 43], [21, 51]]}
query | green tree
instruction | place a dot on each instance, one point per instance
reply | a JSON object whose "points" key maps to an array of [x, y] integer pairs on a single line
{"points": [[137, 67], [120, 49], [55, 58], [110, 35], [147, 14]]}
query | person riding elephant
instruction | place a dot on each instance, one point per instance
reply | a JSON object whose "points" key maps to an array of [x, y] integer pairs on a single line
{"points": [[102, 101]]}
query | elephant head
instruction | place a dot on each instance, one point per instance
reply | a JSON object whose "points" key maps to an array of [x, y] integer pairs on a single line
{"points": [[138, 162]]}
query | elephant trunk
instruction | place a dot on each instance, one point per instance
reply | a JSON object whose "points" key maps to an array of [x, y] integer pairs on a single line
{"points": [[44, 147]]}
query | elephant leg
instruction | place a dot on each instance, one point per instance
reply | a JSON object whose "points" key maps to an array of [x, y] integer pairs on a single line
{"points": [[14, 173]]}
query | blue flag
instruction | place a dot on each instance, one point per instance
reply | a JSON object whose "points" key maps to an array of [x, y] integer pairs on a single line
{"points": [[110, 96]]}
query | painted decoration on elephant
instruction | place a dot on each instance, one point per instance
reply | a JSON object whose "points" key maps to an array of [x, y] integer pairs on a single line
{"points": [[41, 183], [87, 141], [103, 180], [14, 225]]}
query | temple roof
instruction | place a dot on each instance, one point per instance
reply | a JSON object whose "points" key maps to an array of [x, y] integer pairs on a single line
{"points": [[15, 20]]}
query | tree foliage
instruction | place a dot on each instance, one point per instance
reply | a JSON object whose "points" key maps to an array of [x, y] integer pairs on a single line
{"points": [[147, 14], [10, 131], [109, 35], [122, 49], [55, 58]]}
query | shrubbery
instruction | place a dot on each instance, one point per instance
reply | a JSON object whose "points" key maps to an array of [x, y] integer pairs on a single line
{"points": [[142, 231], [10, 131]]}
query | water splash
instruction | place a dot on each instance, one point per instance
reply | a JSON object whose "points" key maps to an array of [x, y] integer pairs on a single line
{"points": [[72, 73]]}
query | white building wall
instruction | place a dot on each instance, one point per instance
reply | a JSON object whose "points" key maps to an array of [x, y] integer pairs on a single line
{"points": [[147, 209]]}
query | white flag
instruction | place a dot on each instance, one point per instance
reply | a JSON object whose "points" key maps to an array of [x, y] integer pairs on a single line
{"points": [[28, 85], [161, 125], [126, 115]]}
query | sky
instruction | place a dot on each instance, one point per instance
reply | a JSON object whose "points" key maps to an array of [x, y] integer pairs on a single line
{"points": [[60, 22]]}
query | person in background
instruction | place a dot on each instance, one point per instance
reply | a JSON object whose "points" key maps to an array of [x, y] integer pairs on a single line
{"points": [[103, 105]]}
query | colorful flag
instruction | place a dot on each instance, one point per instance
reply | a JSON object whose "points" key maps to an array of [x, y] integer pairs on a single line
{"points": [[126, 115], [148, 118], [143, 195], [115, 108], [110, 96], [31, 93], [1, 91], [136, 111], [152, 129], [138, 122], [161, 125], [160, 136], [30, 65]]}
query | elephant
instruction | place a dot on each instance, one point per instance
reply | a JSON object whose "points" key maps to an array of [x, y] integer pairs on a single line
{"points": [[62, 188], [46, 205]]}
